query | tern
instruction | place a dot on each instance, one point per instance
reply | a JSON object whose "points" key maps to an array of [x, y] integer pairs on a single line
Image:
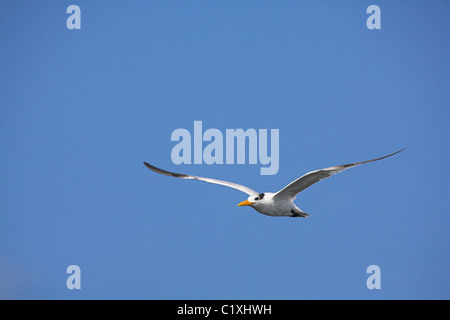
{"points": [[279, 204]]}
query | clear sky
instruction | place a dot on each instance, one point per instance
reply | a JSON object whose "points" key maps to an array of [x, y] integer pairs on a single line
{"points": [[82, 109]]}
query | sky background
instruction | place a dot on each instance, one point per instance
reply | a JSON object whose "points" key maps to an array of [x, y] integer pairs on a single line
{"points": [[82, 109]]}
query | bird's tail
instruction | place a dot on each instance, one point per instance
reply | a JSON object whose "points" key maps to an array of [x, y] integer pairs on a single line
{"points": [[303, 214], [299, 213]]}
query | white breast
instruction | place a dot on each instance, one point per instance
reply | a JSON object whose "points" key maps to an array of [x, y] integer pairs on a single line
{"points": [[271, 207]]}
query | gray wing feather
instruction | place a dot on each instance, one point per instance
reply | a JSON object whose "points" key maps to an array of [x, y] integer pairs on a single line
{"points": [[313, 177], [209, 180]]}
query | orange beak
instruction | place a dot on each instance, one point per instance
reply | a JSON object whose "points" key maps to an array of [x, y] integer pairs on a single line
{"points": [[244, 203]]}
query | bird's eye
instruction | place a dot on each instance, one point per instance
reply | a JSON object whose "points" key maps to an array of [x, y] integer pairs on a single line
{"points": [[256, 199]]}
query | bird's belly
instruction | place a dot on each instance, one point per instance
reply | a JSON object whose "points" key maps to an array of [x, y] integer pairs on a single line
{"points": [[277, 209]]}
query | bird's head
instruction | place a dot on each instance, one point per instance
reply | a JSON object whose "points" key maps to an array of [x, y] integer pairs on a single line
{"points": [[253, 200]]}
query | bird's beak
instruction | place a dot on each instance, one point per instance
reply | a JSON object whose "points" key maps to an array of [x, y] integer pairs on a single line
{"points": [[244, 203]]}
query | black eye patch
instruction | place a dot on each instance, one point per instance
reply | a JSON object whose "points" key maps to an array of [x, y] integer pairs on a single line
{"points": [[261, 196]]}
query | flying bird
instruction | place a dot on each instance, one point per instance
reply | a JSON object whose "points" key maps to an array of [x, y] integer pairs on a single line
{"points": [[279, 204]]}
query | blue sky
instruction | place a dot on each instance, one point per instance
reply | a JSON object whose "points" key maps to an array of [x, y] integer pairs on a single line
{"points": [[82, 109]]}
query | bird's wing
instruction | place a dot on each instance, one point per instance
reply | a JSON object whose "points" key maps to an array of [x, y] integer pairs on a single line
{"points": [[312, 177], [209, 180]]}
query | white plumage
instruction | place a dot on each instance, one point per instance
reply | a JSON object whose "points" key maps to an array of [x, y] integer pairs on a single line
{"points": [[279, 203]]}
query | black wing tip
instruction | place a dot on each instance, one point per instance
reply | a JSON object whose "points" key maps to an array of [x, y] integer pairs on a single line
{"points": [[167, 173], [367, 161], [395, 152], [148, 165], [389, 155]]}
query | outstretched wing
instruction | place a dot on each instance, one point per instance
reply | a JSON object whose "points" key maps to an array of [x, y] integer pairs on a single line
{"points": [[312, 177], [209, 180]]}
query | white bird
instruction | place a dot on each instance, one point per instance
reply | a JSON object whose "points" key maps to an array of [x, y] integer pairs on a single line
{"points": [[279, 204]]}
